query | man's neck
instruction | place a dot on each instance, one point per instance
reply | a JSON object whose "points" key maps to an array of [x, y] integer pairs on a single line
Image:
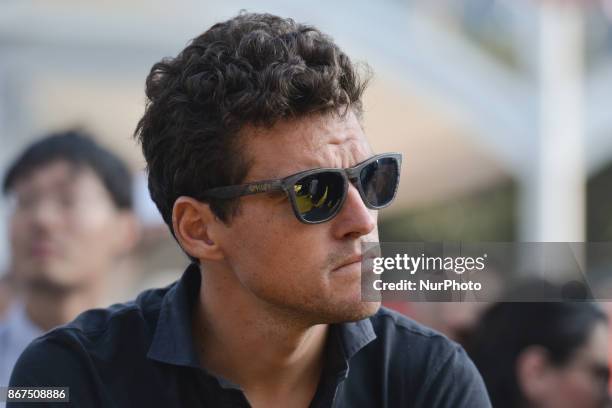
{"points": [[266, 353], [47, 309]]}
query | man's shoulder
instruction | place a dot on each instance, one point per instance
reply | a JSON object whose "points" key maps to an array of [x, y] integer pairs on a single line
{"points": [[429, 368], [120, 318], [412, 346], [105, 334], [90, 354], [142, 311]]}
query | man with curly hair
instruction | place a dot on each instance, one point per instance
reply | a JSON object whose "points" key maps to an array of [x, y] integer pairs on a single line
{"points": [[259, 165]]}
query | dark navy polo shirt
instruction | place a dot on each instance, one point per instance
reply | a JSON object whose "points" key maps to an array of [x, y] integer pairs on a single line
{"points": [[141, 354]]}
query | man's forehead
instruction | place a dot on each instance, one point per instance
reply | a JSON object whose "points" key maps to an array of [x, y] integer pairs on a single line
{"points": [[53, 174], [597, 346], [305, 143]]}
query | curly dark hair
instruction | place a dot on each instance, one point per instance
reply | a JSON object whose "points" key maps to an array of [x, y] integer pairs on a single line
{"points": [[254, 69]]}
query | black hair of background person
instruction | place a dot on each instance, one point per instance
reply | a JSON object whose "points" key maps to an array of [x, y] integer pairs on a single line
{"points": [[255, 69], [78, 148], [508, 328]]}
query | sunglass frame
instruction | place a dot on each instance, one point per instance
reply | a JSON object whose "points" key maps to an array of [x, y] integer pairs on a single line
{"points": [[287, 184]]}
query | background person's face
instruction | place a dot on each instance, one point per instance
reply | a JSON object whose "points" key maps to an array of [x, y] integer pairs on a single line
{"points": [[582, 382], [62, 228], [290, 265]]}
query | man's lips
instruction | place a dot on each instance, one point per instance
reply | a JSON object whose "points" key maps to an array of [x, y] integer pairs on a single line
{"points": [[42, 249], [357, 258]]}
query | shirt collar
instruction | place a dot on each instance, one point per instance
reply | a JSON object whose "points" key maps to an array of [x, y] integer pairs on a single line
{"points": [[353, 336], [173, 344], [172, 341]]}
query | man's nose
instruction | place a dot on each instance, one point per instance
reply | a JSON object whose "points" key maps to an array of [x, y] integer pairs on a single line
{"points": [[354, 219], [45, 214]]}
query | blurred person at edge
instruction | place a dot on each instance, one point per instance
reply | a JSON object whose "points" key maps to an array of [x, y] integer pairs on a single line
{"points": [[259, 165], [6, 293], [70, 220], [543, 354]]}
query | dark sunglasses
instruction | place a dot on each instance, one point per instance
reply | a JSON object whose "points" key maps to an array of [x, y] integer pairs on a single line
{"points": [[317, 195]]}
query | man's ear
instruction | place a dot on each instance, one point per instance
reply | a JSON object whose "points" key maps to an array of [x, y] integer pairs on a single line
{"points": [[534, 373], [193, 223]]}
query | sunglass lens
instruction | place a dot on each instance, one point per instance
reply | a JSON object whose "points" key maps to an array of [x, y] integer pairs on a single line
{"points": [[379, 181], [318, 196]]}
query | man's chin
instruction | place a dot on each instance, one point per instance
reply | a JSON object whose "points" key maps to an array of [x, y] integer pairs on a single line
{"points": [[44, 283], [351, 313], [365, 310]]}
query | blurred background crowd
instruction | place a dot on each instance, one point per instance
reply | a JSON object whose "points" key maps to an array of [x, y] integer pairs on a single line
{"points": [[500, 108]]}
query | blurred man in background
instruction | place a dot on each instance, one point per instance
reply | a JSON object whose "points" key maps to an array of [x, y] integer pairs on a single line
{"points": [[5, 294], [71, 219], [546, 354]]}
